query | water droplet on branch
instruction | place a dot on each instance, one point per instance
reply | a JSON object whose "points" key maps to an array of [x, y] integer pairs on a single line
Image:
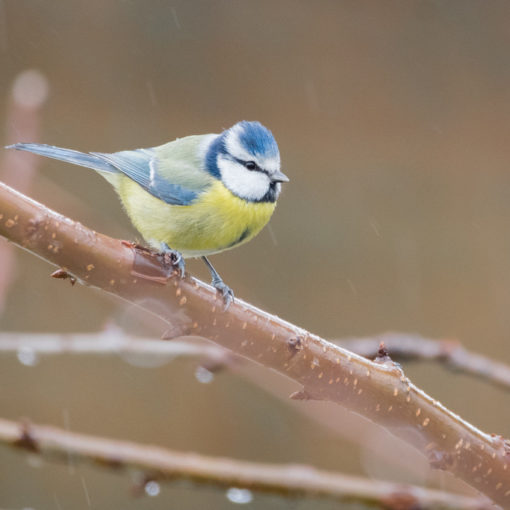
{"points": [[27, 356], [152, 488], [239, 496], [203, 375]]}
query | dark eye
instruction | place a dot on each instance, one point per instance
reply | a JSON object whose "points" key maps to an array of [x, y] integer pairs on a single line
{"points": [[251, 165]]}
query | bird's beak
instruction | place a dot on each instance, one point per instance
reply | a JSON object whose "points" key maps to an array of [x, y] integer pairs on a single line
{"points": [[279, 177]]}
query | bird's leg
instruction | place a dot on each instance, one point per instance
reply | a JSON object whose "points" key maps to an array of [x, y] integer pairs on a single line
{"points": [[219, 284], [174, 257]]}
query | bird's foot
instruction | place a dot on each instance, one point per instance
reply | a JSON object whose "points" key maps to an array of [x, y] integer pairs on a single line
{"points": [[226, 292], [173, 258]]}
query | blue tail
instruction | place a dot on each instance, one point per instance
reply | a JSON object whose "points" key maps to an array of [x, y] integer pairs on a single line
{"points": [[75, 157]]}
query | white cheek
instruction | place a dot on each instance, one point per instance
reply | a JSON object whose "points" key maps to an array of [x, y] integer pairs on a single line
{"points": [[242, 182]]}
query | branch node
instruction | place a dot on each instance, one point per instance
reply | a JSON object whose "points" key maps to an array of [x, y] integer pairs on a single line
{"points": [[216, 364], [175, 331], [383, 356], [295, 344], [62, 274], [440, 460], [302, 395], [111, 462], [26, 440], [401, 500], [502, 444]]}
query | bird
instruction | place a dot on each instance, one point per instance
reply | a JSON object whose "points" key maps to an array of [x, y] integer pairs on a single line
{"points": [[194, 196]]}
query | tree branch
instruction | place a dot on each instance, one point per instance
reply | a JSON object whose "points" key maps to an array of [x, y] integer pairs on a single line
{"points": [[377, 390], [400, 347], [450, 352], [158, 463], [105, 343]]}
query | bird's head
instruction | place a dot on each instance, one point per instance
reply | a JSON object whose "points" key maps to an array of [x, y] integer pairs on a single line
{"points": [[246, 159]]}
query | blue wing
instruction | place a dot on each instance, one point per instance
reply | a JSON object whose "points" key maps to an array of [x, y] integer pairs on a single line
{"points": [[173, 172], [141, 166]]}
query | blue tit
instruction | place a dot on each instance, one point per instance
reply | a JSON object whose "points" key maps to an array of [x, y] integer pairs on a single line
{"points": [[195, 196]]}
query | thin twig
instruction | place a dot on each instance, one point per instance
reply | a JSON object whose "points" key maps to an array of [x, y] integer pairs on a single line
{"points": [[158, 463], [400, 347], [105, 343], [407, 347], [377, 390]]}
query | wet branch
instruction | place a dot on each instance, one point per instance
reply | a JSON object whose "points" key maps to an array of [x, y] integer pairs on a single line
{"points": [[54, 444], [377, 390], [400, 347], [406, 347], [106, 343]]}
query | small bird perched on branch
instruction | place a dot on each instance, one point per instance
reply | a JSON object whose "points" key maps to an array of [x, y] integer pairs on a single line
{"points": [[195, 196]]}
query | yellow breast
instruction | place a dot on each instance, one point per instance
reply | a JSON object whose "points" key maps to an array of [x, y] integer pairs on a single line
{"points": [[216, 221]]}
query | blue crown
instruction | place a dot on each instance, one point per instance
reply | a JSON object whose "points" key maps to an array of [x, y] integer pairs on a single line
{"points": [[257, 139]]}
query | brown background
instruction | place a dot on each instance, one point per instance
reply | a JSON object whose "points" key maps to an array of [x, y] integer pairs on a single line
{"points": [[393, 124]]}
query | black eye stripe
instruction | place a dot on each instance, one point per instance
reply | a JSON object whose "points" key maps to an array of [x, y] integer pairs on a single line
{"points": [[255, 169]]}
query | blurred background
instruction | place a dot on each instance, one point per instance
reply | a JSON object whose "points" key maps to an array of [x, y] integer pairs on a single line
{"points": [[393, 121]]}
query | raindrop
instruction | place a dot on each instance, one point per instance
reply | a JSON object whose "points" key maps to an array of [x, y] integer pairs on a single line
{"points": [[176, 19], [272, 235], [27, 356], [152, 95], [239, 496], [152, 488], [203, 375]]}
